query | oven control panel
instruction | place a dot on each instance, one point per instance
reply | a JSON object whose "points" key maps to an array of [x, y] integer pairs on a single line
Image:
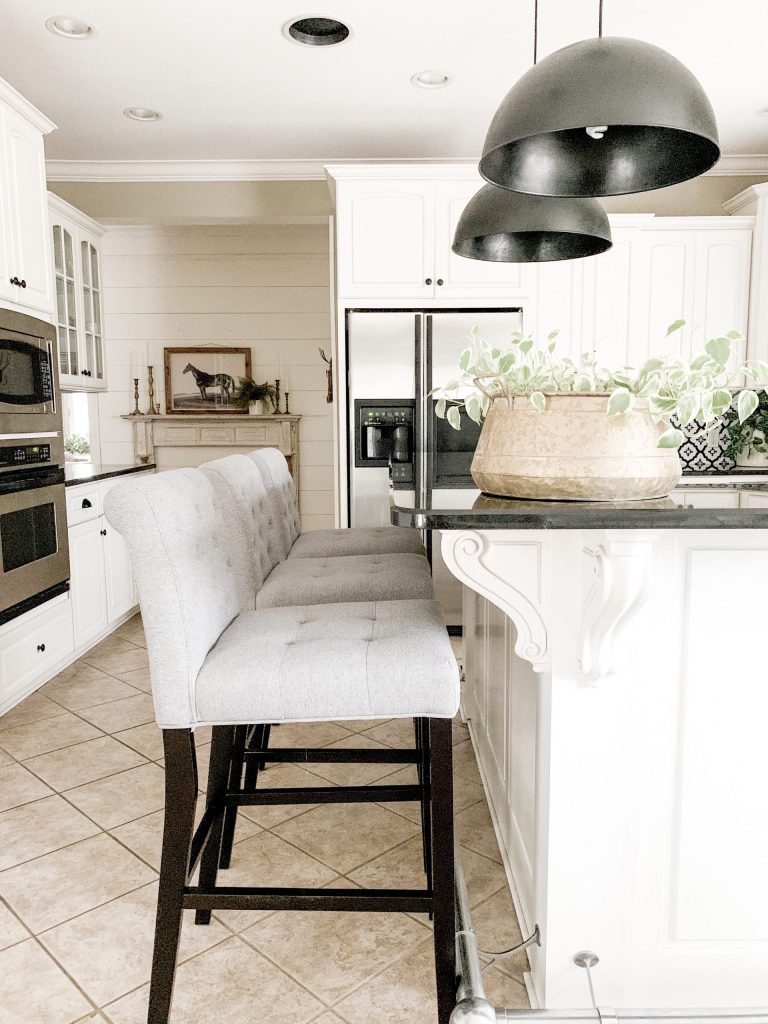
{"points": [[20, 455]]}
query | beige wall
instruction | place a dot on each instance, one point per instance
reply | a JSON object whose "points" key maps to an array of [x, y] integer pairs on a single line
{"points": [[260, 286]]}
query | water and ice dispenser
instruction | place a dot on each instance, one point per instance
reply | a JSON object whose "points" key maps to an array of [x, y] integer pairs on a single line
{"points": [[384, 433]]}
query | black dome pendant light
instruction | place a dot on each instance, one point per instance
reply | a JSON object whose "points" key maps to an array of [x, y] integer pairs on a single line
{"points": [[509, 227], [601, 117]]}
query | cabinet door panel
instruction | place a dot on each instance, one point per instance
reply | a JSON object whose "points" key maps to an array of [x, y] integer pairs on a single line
{"points": [[386, 239], [121, 594], [89, 600], [462, 277], [607, 326], [7, 290], [668, 286], [722, 282], [32, 648], [29, 259]]}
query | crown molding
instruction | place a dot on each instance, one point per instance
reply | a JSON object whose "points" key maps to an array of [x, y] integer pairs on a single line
{"points": [[731, 164], [82, 220], [745, 200], [22, 106], [218, 170]]}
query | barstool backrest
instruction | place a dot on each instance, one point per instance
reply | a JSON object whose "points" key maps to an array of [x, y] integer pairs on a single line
{"points": [[277, 478], [256, 537], [183, 567]]}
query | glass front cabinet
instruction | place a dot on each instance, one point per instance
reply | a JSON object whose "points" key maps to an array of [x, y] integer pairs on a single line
{"points": [[77, 285]]}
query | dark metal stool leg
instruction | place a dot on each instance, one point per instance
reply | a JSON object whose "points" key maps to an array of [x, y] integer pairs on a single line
{"points": [[441, 783], [180, 798], [218, 774], [259, 739], [426, 830], [235, 777]]}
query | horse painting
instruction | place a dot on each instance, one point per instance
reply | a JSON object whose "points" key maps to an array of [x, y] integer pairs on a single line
{"points": [[212, 380]]}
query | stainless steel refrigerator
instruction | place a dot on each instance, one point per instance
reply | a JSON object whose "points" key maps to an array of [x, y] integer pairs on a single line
{"points": [[394, 359]]}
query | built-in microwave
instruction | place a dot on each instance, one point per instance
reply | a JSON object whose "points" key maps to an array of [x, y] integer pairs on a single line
{"points": [[27, 375]]}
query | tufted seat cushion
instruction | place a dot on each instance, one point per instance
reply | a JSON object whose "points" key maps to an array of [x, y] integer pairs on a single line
{"points": [[374, 540], [348, 578], [325, 662], [381, 540]]}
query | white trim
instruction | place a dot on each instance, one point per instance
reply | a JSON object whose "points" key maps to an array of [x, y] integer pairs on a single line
{"points": [[22, 106], [297, 170], [70, 212], [746, 198], [233, 170]]}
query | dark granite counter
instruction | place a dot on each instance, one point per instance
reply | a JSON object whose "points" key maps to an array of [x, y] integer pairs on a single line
{"points": [[87, 472], [465, 511]]}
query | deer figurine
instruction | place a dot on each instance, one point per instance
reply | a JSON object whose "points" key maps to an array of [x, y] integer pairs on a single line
{"points": [[328, 375]]}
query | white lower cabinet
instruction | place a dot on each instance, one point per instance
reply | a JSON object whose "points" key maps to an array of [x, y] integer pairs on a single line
{"points": [[88, 586], [37, 645], [32, 648]]}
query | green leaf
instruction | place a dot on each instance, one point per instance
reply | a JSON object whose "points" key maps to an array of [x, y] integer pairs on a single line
{"points": [[688, 407], [527, 345], [735, 335], [746, 404], [719, 349], [671, 438], [454, 417], [507, 362], [538, 401], [440, 408], [620, 402], [474, 330], [674, 326], [721, 400], [464, 358], [553, 334]]}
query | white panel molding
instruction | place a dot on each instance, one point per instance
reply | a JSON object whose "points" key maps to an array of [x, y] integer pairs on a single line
{"points": [[622, 570], [740, 163], [488, 563], [22, 106]]}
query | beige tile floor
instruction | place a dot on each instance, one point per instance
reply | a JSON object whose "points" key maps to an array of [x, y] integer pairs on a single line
{"points": [[81, 797]]}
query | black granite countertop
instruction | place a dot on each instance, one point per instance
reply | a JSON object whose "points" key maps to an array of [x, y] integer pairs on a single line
{"points": [[467, 511], [87, 472]]}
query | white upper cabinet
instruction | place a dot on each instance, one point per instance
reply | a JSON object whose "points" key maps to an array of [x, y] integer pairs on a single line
{"points": [[77, 285], [395, 235], [387, 233], [25, 249]]}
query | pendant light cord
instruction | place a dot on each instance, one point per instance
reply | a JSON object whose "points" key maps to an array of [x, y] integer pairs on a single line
{"points": [[600, 20], [536, 30]]}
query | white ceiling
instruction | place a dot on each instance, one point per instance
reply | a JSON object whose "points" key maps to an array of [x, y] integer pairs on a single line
{"points": [[230, 86]]}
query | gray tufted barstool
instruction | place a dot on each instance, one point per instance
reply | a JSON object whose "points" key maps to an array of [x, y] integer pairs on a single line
{"points": [[212, 663]]}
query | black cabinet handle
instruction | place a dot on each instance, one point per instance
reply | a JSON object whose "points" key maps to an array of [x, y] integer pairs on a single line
{"points": [[41, 648], [86, 504], [15, 280], [86, 373], [428, 281], [23, 283], [103, 533], [439, 280]]}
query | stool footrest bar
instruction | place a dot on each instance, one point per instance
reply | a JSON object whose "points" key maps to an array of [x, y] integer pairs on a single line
{"points": [[338, 755], [325, 795], [242, 898]]}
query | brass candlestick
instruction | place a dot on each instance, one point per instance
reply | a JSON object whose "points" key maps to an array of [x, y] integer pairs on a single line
{"points": [[286, 403], [136, 409], [276, 410], [154, 410]]}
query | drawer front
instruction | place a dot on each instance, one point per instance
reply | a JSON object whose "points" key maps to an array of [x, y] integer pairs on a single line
{"points": [[33, 648], [83, 503]]}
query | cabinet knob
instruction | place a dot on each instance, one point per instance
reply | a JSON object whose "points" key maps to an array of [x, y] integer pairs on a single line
{"points": [[23, 283], [15, 280], [103, 533], [41, 648], [439, 280], [86, 503], [428, 281]]}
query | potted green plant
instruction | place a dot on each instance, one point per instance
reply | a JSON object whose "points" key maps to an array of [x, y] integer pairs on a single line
{"points": [[747, 440], [77, 448], [561, 428], [254, 397]]}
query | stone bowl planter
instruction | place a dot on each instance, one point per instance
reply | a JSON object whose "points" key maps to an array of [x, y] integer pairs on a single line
{"points": [[572, 451]]}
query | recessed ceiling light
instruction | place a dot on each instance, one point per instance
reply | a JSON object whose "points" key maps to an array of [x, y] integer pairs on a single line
{"points": [[316, 31], [142, 114], [429, 79], [70, 28]]}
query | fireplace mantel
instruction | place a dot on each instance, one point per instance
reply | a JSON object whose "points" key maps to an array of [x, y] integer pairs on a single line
{"points": [[231, 431]]}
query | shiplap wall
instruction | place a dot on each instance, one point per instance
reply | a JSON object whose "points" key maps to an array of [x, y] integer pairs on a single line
{"points": [[266, 287]]}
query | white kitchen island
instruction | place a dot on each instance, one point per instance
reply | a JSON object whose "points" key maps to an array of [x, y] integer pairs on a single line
{"points": [[617, 698]]}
